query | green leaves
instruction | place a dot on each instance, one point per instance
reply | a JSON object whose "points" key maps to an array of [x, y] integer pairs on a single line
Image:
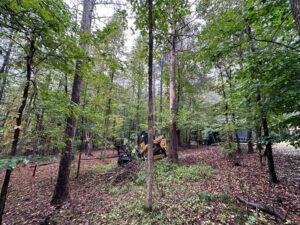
{"points": [[11, 162]]}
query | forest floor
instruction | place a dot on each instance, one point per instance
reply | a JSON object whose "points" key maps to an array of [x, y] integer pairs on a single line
{"points": [[200, 190]]}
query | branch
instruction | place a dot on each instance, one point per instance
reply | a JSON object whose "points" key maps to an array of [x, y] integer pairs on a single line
{"points": [[265, 208], [275, 42]]}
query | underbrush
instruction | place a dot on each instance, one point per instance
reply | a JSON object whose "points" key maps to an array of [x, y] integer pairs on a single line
{"points": [[177, 199], [167, 172]]}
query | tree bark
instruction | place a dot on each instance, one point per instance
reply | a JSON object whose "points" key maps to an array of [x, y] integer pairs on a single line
{"points": [[61, 192], [295, 7], [4, 69], [249, 141], [173, 147], [29, 62], [149, 181], [272, 171]]}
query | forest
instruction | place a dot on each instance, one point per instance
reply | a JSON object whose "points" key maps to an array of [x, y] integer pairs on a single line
{"points": [[149, 112]]}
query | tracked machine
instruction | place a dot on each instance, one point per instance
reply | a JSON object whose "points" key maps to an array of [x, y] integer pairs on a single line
{"points": [[160, 149]]}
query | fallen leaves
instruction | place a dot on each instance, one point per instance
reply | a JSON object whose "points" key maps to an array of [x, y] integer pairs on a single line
{"points": [[94, 201]]}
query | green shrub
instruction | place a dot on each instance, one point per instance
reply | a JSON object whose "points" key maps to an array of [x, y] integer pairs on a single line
{"points": [[193, 173], [141, 177], [225, 198], [207, 197]]}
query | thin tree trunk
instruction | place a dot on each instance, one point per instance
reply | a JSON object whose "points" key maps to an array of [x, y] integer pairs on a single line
{"points": [[272, 172], [173, 148], [295, 7], [3, 69], [271, 166], [29, 62], [249, 141], [61, 192], [149, 181]]}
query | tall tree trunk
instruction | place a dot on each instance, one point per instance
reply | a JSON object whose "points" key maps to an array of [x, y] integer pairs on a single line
{"points": [[269, 153], [173, 148], [3, 69], [149, 181], [272, 172], [295, 6], [61, 192], [29, 62]]}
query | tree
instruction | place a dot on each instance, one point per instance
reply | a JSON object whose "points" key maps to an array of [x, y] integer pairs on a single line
{"points": [[173, 151], [61, 192], [148, 199], [4, 70], [31, 20]]}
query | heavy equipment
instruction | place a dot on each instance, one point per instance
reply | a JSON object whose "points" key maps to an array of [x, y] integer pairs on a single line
{"points": [[160, 149]]}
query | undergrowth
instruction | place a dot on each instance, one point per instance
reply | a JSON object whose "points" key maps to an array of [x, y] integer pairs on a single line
{"points": [[177, 199], [167, 172]]}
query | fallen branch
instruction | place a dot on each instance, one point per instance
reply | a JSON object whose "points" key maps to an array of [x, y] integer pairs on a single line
{"points": [[266, 209]]}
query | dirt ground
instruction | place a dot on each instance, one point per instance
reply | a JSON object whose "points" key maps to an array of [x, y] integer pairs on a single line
{"points": [[29, 197]]}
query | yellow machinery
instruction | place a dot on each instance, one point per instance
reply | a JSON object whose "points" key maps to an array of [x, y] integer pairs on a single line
{"points": [[160, 147]]}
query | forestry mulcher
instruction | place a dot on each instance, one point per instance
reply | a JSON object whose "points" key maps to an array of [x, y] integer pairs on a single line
{"points": [[160, 149]]}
